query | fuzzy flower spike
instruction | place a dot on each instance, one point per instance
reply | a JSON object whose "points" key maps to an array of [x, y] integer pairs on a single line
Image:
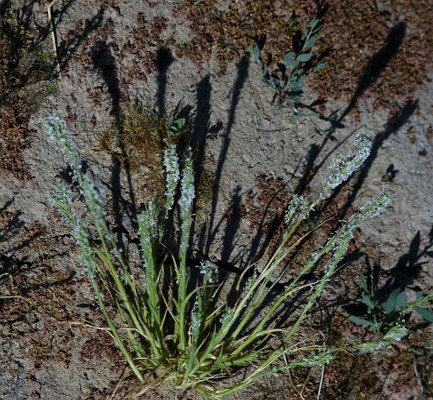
{"points": [[343, 167], [172, 175]]}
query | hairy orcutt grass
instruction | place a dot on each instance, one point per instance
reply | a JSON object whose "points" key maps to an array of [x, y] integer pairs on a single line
{"points": [[171, 318]]}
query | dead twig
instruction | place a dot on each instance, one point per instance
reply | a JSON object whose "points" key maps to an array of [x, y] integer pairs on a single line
{"points": [[53, 33], [418, 377]]}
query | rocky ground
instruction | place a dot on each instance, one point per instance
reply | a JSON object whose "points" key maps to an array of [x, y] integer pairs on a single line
{"points": [[253, 155]]}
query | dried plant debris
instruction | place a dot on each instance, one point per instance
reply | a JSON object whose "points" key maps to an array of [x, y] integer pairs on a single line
{"points": [[140, 142], [14, 139], [144, 41]]}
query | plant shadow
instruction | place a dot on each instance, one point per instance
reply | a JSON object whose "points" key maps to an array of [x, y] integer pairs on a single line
{"points": [[16, 263], [373, 70]]}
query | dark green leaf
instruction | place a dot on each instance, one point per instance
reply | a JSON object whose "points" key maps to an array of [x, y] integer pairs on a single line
{"points": [[425, 313], [401, 301], [309, 43], [362, 283], [304, 57], [297, 85], [255, 53], [389, 305], [177, 125], [361, 321], [290, 61], [367, 301], [288, 57], [314, 22]]}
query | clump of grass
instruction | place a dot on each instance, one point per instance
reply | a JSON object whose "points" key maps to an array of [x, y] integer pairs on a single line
{"points": [[171, 318]]}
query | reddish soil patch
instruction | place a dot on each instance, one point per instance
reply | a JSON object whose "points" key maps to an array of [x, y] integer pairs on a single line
{"points": [[229, 31], [353, 33], [393, 43]]}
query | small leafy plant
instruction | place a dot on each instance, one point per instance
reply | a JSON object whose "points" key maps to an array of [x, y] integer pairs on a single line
{"points": [[382, 313], [171, 316], [287, 79], [288, 76]]}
